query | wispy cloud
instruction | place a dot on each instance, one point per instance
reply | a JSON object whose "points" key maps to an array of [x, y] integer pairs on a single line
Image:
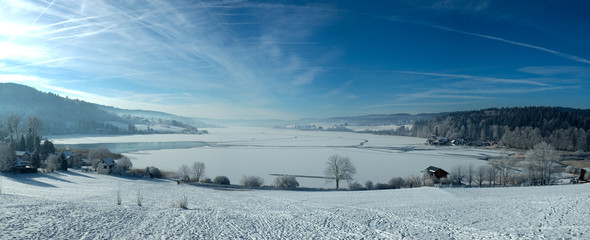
{"points": [[479, 78], [547, 50], [199, 47]]}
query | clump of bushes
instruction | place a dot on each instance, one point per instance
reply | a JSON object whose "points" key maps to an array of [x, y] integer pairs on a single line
{"points": [[206, 180], [221, 180], [355, 186], [252, 181], [286, 182], [153, 172]]}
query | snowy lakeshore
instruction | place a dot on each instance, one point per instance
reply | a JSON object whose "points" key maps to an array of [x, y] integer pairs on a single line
{"points": [[238, 152], [76, 205]]}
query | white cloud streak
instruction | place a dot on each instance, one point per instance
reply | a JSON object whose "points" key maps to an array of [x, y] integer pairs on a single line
{"points": [[547, 50]]}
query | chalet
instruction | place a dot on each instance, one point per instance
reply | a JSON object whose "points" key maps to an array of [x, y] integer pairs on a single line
{"points": [[22, 155], [105, 166], [23, 162], [435, 172]]}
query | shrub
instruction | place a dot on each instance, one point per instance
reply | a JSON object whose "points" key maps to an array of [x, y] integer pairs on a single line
{"points": [[183, 203], [287, 182], [206, 180], [396, 182], [118, 170], [252, 181], [154, 172], [355, 186], [381, 186], [221, 180]]}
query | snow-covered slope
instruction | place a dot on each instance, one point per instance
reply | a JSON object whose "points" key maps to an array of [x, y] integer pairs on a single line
{"points": [[75, 205]]}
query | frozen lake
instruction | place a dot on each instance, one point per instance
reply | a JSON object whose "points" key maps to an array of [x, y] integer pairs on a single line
{"points": [[238, 152]]}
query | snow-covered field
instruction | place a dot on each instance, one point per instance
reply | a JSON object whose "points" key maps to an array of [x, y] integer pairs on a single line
{"points": [[238, 152], [75, 205]]}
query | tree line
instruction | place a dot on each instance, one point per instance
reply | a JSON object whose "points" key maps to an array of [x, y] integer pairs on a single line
{"points": [[563, 128]]}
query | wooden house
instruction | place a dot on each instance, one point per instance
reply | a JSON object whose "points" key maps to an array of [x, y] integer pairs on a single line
{"points": [[435, 172], [105, 166]]}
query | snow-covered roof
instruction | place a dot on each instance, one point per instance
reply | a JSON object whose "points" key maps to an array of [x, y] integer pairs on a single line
{"points": [[109, 161], [432, 169], [21, 153]]}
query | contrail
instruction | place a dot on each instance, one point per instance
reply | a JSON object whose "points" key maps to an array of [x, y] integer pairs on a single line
{"points": [[43, 12], [557, 53]]}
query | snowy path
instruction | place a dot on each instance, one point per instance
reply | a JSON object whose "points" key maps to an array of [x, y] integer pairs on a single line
{"points": [[82, 206]]}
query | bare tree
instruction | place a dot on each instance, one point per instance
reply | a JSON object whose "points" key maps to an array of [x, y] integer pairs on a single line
{"points": [[339, 168], [470, 173], [197, 171], [504, 166], [491, 175], [540, 163], [480, 175], [99, 153], [458, 174], [184, 172], [34, 125], [11, 123]]}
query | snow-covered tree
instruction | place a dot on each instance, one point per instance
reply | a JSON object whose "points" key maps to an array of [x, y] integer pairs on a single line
{"points": [[339, 168], [252, 181], [125, 163], [503, 166], [396, 182], [52, 163], [287, 182], [7, 158], [457, 174], [540, 163]]}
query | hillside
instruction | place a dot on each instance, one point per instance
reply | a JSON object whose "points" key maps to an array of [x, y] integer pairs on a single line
{"points": [[69, 116], [564, 128], [43, 207]]}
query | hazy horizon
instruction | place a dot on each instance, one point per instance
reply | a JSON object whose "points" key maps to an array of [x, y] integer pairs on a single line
{"points": [[293, 60]]}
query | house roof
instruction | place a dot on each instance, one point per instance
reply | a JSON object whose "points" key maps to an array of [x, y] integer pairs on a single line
{"points": [[433, 169], [109, 161], [21, 153]]}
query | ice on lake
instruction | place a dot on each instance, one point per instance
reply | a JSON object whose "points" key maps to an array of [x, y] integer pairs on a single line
{"points": [[238, 152]]}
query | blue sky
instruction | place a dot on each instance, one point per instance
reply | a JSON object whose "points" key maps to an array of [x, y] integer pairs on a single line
{"points": [[293, 59]]}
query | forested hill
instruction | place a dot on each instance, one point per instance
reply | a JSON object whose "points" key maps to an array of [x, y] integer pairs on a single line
{"points": [[564, 128], [68, 116], [59, 115]]}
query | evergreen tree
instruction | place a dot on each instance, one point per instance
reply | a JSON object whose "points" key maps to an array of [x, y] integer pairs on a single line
{"points": [[36, 159], [22, 145], [63, 162]]}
